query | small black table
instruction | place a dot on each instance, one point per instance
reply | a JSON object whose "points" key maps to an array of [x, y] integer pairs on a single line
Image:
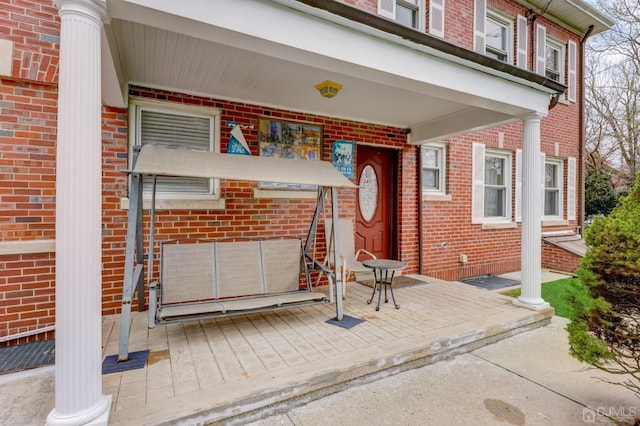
{"points": [[381, 269]]}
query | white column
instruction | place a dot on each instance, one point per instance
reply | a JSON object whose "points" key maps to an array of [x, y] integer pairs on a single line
{"points": [[78, 370], [531, 262]]}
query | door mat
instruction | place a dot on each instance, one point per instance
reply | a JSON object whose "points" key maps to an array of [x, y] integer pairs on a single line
{"points": [[490, 282], [398, 281], [136, 360], [347, 321], [27, 356]]}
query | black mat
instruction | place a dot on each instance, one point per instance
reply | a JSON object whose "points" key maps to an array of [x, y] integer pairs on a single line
{"points": [[490, 282], [398, 281], [347, 321], [136, 360], [27, 356]]}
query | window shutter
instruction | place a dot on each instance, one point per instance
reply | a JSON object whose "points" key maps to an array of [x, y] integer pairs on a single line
{"points": [[479, 21], [543, 158], [522, 42], [477, 195], [518, 185], [571, 189], [176, 131], [387, 8], [541, 47], [436, 18], [572, 66]]}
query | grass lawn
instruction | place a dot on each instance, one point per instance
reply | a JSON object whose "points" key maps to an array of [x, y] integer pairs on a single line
{"points": [[558, 293]]}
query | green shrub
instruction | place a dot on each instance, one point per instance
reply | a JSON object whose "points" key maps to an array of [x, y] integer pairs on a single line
{"points": [[606, 330]]}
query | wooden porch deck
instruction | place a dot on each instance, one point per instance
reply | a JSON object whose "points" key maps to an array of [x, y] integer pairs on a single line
{"points": [[245, 367]]}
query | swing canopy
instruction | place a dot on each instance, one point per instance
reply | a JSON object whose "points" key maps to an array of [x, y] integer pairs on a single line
{"points": [[153, 161], [203, 164]]}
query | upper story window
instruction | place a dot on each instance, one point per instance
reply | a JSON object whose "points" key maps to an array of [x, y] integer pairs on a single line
{"points": [[406, 12], [176, 126], [498, 36], [433, 168], [554, 61], [550, 56], [492, 32], [491, 196]]}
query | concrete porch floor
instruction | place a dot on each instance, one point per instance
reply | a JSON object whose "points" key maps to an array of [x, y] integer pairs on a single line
{"points": [[232, 368]]}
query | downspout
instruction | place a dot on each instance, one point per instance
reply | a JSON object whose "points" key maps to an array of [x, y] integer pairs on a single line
{"points": [[581, 188]]}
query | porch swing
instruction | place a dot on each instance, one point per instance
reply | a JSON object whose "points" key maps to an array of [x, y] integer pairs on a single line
{"points": [[232, 276]]}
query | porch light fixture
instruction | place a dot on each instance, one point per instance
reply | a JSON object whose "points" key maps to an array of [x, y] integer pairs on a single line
{"points": [[328, 89]]}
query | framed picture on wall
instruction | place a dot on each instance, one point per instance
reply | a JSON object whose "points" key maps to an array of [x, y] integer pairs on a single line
{"points": [[292, 140]]}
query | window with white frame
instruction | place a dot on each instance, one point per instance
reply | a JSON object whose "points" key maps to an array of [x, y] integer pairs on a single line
{"points": [[552, 184], [492, 32], [496, 186], [176, 126], [554, 60], [553, 172], [406, 12], [434, 157], [550, 56], [498, 36], [491, 195]]}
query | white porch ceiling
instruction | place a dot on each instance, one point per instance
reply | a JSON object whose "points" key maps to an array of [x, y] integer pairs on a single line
{"points": [[159, 58], [261, 53]]}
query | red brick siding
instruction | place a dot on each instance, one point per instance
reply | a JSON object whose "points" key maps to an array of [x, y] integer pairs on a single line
{"points": [[27, 204], [27, 295], [368, 5], [34, 27], [557, 259], [458, 22], [27, 160]]}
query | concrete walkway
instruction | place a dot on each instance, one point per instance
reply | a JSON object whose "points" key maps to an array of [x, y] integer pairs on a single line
{"points": [[528, 379]]}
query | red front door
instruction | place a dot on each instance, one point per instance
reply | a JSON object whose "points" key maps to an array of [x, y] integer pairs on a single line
{"points": [[376, 206]]}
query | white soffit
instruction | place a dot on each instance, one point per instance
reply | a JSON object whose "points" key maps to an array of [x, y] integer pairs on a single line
{"points": [[186, 163], [575, 14]]}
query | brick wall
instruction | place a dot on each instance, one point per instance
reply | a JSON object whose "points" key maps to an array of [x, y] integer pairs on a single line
{"points": [[27, 204], [27, 162], [557, 259], [34, 28], [27, 295]]}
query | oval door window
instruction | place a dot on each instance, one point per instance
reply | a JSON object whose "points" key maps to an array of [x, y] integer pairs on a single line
{"points": [[368, 193]]}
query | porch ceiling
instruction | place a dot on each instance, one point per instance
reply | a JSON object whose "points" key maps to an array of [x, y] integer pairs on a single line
{"points": [[262, 53]]}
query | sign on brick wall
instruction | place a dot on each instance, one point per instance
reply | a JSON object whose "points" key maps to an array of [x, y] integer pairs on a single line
{"points": [[342, 157]]}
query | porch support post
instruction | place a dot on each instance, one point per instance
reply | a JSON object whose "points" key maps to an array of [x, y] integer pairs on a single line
{"points": [[531, 261], [78, 371]]}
